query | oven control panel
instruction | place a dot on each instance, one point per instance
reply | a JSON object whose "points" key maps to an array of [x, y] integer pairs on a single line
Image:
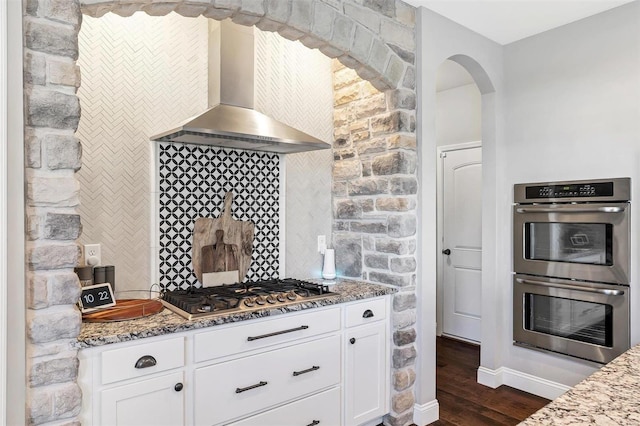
{"points": [[569, 191], [585, 191]]}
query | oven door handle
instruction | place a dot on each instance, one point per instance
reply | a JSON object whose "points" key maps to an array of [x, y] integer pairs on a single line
{"points": [[573, 287], [567, 209]]}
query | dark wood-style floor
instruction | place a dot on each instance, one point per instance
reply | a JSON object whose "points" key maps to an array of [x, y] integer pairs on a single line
{"points": [[463, 401]]}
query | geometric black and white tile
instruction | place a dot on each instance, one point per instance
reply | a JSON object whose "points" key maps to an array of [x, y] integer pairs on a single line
{"points": [[192, 182]]}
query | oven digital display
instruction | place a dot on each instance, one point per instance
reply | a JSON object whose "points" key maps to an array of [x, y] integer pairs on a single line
{"points": [[602, 189]]}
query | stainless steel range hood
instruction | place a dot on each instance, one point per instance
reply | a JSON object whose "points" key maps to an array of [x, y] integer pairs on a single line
{"points": [[232, 122]]}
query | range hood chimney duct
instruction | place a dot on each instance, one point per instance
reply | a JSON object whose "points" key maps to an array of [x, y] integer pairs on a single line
{"points": [[232, 122]]}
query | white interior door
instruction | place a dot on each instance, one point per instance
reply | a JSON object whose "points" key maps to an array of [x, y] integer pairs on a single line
{"points": [[462, 243]]}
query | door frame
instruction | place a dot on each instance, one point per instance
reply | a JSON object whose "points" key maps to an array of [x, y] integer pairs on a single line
{"points": [[440, 227]]}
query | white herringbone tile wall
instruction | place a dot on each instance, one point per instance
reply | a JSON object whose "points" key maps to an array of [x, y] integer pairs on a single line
{"points": [[294, 85], [140, 74]]}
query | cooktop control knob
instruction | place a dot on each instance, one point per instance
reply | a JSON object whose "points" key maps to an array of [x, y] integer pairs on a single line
{"points": [[292, 295], [260, 300], [281, 297], [249, 302], [271, 299], [205, 307]]}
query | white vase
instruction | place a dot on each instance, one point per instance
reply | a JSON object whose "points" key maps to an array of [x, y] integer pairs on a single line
{"points": [[329, 266]]}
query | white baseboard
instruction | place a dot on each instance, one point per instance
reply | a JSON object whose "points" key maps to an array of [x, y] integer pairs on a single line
{"points": [[519, 380], [426, 413]]}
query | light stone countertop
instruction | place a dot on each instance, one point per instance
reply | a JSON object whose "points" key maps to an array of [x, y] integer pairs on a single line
{"points": [[610, 396], [166, 321]]}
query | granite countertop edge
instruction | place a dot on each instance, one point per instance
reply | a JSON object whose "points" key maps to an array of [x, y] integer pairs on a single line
{"points": [[168, 322], [609, 396]]}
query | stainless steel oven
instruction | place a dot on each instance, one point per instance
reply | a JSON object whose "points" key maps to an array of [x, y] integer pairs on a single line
{"points": [[572, 263], [585, 320], [575, 230]]}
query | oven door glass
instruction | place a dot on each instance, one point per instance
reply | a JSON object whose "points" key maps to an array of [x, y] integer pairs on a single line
{"points": [[587, 243], [572, 319]]}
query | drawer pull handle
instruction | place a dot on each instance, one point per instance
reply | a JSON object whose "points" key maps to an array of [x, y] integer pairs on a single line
{"points": [[367, 314], [352, 340], [178, 387], [314, 423], [308, 370], [257, 385], [146, 362], [291, 330]]}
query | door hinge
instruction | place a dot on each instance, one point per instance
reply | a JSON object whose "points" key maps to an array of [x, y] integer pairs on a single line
{"points": [[443, 155]]}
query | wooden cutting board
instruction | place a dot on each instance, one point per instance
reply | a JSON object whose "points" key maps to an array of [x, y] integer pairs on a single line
{"points": [[237, 237], [125, 309]]}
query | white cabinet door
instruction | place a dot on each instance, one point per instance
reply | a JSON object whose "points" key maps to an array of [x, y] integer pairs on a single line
{"points": [[366, 381], [152, 402]]}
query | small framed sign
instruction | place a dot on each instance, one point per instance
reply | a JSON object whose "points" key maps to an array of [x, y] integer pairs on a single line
{"points": [[98, 296]]}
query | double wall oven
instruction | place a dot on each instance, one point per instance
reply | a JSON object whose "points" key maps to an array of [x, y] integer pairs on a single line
{"points": [[572, 267]]}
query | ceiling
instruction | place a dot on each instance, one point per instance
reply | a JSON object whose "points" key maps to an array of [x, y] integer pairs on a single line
{"points": [[506, 21]]}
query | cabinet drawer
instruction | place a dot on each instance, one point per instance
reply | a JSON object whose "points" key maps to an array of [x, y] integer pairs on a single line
{"points": [[120, 364], [320, 409], [251, 384], [246, 337], [366, 312]]}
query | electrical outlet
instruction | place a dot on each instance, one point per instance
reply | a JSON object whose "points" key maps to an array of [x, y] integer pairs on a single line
{"points": [[322, 243], [92, 254]]}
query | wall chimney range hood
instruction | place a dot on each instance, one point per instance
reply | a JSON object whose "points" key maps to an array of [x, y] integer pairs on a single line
{"points": [[232, 122]]}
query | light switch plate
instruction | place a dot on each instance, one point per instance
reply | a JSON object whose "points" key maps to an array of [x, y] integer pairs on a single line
{"points": [[92, 254]]}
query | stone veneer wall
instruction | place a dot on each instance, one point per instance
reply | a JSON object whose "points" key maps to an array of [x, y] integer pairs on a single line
{"points": [[375, 196], [374, 37]]}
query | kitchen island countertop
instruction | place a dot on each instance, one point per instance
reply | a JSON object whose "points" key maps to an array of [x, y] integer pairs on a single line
{"points": [[166, 322], [607, 397]]}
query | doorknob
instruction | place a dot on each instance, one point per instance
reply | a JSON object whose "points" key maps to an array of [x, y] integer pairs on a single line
{"points": [[446, 251]]}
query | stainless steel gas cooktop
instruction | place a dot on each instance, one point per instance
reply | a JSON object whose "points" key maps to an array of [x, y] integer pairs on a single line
{"points": [[196, 303]]}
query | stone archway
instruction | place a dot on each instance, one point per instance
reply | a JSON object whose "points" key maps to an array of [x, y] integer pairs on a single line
{"points": [[375, 184], [380, 50]]}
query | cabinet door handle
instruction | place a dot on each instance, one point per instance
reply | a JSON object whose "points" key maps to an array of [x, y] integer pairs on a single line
{"points": [[367, 314], [146, 362], [352, 340], [314, 423], [257, 385], [178, 387], [308, 370], [291, 330]]}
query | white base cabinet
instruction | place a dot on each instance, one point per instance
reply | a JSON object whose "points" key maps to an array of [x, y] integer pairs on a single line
{"points": [[327, 367], [367, 365], [146, 402]]}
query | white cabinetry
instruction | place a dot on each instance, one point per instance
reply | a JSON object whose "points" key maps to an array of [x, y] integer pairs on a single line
{"points": [[366, 369], [134, 384], [294, 369]]}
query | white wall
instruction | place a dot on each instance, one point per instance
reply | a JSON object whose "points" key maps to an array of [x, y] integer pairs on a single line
{"points": [[458, 115], [441, 39], [572, 112], [12, 412], [140, 74], [566, 107], [295, 86]]}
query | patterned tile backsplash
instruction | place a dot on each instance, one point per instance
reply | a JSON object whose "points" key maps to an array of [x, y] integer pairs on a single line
{"points": [[192, 181]]}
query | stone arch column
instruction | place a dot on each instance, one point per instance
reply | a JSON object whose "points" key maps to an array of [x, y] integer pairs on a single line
{"points": [[374, 167]]}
